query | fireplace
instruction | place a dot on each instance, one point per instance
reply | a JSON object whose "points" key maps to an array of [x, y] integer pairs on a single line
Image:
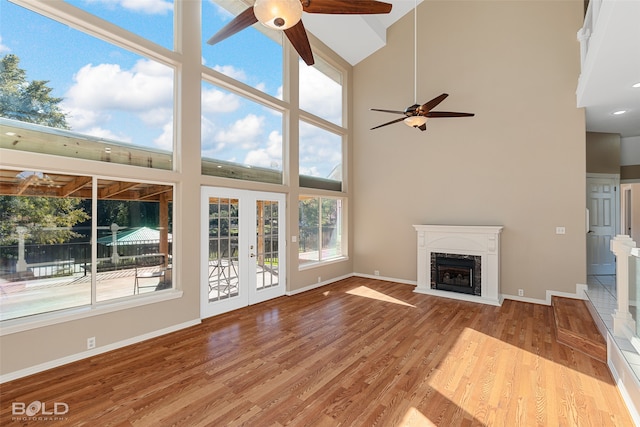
{"points": [[460, 262], [456, 273]]}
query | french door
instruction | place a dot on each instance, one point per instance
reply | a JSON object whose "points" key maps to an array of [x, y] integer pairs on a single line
{"points": [[243, 254]]}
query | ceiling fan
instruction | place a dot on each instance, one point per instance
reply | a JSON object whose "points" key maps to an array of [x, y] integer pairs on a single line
{"points": [[286, 15], [417, 115]]}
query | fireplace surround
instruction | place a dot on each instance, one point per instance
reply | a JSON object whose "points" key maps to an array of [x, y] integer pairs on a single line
{"points": [[460, 262]]}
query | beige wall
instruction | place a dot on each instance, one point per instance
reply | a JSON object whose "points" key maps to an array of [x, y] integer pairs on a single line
{"points": [[603, 153], [520, 162]]}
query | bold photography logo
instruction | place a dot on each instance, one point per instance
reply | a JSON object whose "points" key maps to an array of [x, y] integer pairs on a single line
{"points": [[38, 409]]}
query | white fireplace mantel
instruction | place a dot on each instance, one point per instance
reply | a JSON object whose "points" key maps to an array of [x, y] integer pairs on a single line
{"points": [[478, 240]]}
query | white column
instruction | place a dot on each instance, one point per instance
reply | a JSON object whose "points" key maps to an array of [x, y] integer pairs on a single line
{"points": [[623, 322], [21, 265]]}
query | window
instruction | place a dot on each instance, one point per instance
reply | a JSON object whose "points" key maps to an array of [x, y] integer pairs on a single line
{"points": [[252, 56], [68, 93], [158, 16], [47, 259], [320, 229], [321, 90], [320, 158], [240, 138]]}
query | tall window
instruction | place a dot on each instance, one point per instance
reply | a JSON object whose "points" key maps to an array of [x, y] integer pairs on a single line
{"points": [[321, 90], [68, 93], [48, 262], [241, 139], [320, 229], [129, 15], [252, 56], [320, 158]]}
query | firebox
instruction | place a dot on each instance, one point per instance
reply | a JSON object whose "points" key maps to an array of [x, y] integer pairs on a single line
{"points": [[456, 273]]}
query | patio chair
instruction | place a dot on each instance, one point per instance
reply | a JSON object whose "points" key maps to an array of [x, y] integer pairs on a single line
{"points": [[150, 272]]}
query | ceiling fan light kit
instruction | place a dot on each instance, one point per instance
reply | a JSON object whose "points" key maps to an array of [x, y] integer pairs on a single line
{"points": [[415, 121], [278, 14], [286, 15]]}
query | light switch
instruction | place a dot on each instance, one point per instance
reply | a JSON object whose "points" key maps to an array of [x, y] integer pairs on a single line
{"points": [[294, 239]]}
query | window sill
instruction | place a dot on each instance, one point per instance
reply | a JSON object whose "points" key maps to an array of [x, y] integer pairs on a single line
{"points": [[13, 326], [310, 265]]}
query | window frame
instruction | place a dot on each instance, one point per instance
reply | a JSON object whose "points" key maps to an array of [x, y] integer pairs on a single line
{"points": [[344, 256], [95, 307]]}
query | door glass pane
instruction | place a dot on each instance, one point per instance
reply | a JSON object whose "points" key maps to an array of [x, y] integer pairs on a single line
{"points": [[267, 256], [223, 248]]}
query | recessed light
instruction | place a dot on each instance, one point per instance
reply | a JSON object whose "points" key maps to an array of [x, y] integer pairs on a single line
{"points": [[617, 113], [10, 133], [636, 85]]}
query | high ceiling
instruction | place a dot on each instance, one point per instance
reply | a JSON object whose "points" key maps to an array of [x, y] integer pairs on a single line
{"points": [[607, 80]]}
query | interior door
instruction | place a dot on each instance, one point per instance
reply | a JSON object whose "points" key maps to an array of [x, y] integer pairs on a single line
{"points": [[243, 254], [602, 202]]}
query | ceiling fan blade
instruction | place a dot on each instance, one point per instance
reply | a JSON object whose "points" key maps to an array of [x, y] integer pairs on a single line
{"points": [[448, 114], [346, 7], [387, 111], [389, 123], [428, 106], [297, 35], [239, 23]]}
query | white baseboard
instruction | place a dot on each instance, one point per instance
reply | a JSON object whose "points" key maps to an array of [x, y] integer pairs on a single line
{"points": [[93, 352], [317, 285], [387, 279], [580, 294]]}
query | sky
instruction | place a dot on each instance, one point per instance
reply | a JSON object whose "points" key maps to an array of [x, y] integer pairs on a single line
{"points": [[111, 93]]}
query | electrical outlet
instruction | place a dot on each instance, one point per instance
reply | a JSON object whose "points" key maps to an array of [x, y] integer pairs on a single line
{"points": [[520, 292], [560, 230], [91, 343], [376, 272]]}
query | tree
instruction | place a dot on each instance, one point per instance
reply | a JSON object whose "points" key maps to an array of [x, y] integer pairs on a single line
{"points": [[27, 101], [48, 220]]}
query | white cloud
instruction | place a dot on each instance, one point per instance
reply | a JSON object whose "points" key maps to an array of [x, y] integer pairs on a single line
{"points": [[150, 7], [231, 71], [320, 95], [244, 131], [106, 86], [102, 92], [216, 101], [99, 132], [165, 140], [269, 156]]}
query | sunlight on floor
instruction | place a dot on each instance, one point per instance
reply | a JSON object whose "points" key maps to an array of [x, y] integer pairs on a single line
{"points": [[413, 417], [363, 291]]}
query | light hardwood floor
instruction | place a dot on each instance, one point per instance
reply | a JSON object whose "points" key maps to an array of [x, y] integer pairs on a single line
{"points": [[359, 352]]}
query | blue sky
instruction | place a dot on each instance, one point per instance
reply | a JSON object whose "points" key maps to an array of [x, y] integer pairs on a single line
{"points": [[112, 93]]}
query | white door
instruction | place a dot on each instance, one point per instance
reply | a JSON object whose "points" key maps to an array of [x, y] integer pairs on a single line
{"points": [[243, 255], [602, 202]]}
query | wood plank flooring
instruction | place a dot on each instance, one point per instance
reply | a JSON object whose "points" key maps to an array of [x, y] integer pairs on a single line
{"points": [[359, 352], [576, 328]]}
